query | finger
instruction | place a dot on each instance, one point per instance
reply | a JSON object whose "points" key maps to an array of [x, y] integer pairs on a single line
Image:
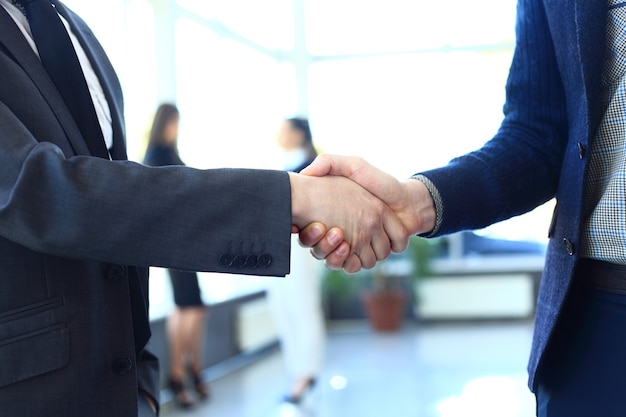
{"points": [[367, 257], [311, 234], [372, 243], [396, 231], [337, 258], [381, 243], [294, 229], [328, 243], [352, 264]]}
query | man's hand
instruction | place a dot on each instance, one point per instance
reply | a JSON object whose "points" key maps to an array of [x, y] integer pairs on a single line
{"points": [[325, 244], [409, 200], [370, 227]]}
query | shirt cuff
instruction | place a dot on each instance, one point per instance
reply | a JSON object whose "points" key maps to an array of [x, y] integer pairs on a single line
{"points": [[434, 193]]}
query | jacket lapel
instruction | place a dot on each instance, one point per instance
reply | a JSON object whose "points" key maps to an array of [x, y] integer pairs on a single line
{"points": [[13, 40], [590, 17]]}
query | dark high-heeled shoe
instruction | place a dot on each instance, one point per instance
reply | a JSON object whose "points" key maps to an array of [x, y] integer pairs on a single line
{"points": [[182, 397], [201, 388], [298, 398]]}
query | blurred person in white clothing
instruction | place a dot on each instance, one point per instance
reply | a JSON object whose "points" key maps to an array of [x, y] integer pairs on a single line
{"points": [[296, 300]]}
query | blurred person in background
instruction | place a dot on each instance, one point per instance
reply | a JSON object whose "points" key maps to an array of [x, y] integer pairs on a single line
{"points": [[296, 302], [185, 325]]}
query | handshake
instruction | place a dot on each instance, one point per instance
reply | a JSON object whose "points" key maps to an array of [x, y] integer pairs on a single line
{"points": [[353, 215]]}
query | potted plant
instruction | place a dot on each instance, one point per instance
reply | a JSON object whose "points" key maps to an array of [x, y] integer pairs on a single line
{"points": [[385, 302], [373, 294], [395, 280], [383, 291], [420, 252]]}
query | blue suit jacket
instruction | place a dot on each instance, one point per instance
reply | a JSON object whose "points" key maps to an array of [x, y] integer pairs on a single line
{"points": [[541, 148]]}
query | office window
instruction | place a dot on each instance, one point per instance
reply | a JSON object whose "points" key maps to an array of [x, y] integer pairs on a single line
{"points": [[269, 23], [350, 27], [139, 78], [231, 98], [408, 112]]}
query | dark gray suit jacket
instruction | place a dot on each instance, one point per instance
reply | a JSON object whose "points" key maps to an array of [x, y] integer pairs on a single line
{"points": [[74, 229]]}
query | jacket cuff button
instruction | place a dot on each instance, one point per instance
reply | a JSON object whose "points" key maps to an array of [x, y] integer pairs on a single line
{"points": [[226, 260], [265, 260], [252, 261], [240, 261]]}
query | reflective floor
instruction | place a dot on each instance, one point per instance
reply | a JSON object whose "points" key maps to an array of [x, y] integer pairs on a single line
{"points": [[442, 370]]}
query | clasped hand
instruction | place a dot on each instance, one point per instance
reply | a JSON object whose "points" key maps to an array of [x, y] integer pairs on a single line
{"points": [[353, 215]]}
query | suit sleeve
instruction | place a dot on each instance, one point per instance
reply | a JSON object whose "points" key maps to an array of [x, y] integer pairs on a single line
{"points": [[124, 212], [520, 167]]}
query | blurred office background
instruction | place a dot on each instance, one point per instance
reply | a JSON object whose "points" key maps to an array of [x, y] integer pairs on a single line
{"points": [[406, 84]]}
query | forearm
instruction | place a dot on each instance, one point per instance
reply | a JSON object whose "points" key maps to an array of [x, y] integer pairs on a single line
{"points": [[126, 213], [493, 184]]}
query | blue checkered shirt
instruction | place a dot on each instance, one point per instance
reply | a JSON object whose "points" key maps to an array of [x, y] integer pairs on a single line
{"points": [[604, 230]]}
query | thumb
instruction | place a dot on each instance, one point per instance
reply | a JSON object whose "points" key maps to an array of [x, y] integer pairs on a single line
{"points": [[329, 165], [320, 167]]}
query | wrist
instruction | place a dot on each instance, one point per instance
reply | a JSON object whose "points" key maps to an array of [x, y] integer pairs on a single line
{"points": [[421, 210], [298, 199]]}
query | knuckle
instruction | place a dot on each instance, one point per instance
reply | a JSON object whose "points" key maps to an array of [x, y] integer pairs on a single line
{"points": [[372, 222], [368, 262], [369, 265], [330, 265], [401, 245], [316, 255], [352, 265]]}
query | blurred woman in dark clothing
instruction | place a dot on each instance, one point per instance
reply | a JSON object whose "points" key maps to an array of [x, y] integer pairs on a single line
{"points": [[185, 324]]}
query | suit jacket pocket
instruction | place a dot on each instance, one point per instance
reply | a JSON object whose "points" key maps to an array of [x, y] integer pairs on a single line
{"points": [[41, 346]]}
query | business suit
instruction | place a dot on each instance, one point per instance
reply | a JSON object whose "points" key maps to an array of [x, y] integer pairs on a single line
{"points": [[77, 231], [542, 148]]}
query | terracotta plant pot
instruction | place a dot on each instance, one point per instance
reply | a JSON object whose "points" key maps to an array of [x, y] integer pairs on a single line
{"points": [[385, 310]]}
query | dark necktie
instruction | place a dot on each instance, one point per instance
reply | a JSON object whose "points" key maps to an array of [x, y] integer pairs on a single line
{"points": [[62, 65]]}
